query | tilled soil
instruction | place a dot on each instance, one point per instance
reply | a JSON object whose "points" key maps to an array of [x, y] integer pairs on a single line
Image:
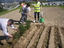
{"points": [[54, 16], [40, 35]]}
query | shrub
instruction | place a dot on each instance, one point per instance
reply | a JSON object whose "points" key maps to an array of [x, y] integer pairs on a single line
{"points": [[22, 29], [16, 35], [28, 24], [1, 9]]}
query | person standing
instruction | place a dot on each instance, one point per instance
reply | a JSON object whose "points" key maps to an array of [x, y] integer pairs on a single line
{"points": [[36, 5], [4, 23], [25, 12], [23, 5]]}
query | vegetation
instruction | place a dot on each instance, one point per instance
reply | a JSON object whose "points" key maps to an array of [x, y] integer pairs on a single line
{"points": [[6, 11], [61, 7], [1, 9], [28, 24], [22, 29], [16, 36], [53, 6], [48, 6]]}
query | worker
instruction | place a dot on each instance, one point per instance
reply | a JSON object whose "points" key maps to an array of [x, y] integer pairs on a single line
{"points": [[4, 23], [36, 5], [41, 19], [25, 13], [23, 5]]}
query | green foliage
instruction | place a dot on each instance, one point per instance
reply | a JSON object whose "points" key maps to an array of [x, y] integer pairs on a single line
{"points": [[22, 29], [61, 7], [44, 46], [4, 12], [16, 35], [34, 44], [28, 24], [48, 6], [1, 9], [8, 47]]}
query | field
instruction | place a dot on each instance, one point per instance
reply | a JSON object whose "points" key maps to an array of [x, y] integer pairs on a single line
{"points": [[47, 35]]}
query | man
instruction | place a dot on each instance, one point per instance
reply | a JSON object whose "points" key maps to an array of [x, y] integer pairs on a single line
{"points": [[25, 12], [23, 5], [3, 26], [36, 10]]}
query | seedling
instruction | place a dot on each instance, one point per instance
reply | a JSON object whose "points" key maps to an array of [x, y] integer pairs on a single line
{"points": [[44, 46], [8, 47], [36, 40], [34, 45]]}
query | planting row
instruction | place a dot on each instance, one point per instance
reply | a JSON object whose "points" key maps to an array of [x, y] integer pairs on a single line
{"points": [[43, 37], [40, 36], [12, 41]]}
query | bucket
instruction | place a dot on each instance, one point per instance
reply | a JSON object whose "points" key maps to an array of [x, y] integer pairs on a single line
{"points": [[41, 20]]}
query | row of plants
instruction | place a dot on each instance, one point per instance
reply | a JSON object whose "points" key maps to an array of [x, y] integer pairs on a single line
{"points": [[58, 43], [47, 38], [38, 37], [22, 29], [12, 41]]}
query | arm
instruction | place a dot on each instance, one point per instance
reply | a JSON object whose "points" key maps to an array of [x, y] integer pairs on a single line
{"points": [[5, 31], [29, 14], [14, 28]]}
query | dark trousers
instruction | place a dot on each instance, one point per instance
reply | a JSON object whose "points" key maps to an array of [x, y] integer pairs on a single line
{"points": [[36, 14], [23, 18], [4, 37]]}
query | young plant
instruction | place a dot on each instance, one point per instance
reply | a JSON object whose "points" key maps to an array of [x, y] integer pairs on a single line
{"points": [[16, 35], [22, 29], [28, 24]]}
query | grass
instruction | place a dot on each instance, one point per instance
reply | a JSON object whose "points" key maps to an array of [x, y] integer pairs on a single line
{"points": [[48, 6], [61, 7], [4, 12], [1, 9], [53, 6]]}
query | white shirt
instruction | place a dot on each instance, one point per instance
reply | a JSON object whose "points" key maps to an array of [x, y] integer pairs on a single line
{"points": [[3, 25], [25, 9]]}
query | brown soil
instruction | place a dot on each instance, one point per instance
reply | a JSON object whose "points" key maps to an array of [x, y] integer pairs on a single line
{"points": [[54, 16]]}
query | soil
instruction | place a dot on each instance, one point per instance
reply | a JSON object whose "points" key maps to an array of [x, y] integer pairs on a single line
{"points": [[54, 16]]}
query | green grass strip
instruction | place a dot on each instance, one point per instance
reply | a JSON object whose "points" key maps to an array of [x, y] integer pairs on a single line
{"points": [[4, 12]]}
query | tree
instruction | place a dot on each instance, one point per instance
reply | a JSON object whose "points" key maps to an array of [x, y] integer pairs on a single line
{"points": [[1, 5]]}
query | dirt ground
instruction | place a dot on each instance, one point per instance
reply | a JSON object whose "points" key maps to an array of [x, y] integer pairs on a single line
{"points": [[52, 15]]}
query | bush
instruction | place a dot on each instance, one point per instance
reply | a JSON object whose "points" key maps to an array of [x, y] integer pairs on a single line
{"points": [[16, 35], [28, 24], [1, 9], [22, 29]]}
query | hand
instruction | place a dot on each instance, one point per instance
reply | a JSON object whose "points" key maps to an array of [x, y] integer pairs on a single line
{"points": [[17, 30], [10, 36]]}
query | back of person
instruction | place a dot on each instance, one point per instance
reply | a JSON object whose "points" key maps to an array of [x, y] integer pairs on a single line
{"points": [[37, 7], [2, 21], [25, 10]]}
